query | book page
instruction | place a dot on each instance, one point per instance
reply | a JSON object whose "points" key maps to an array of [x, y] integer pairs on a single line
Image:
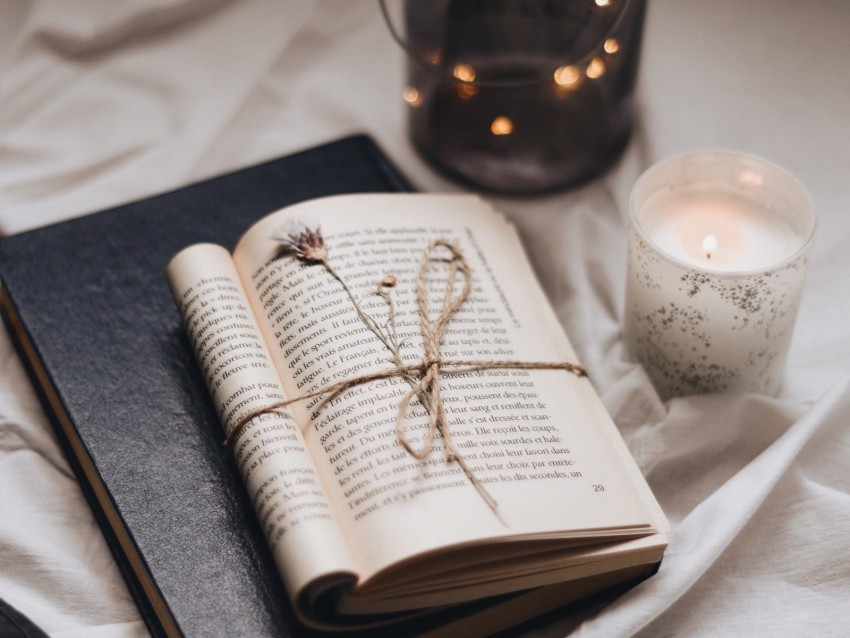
{"points": [[277, 469], [539, 440]]}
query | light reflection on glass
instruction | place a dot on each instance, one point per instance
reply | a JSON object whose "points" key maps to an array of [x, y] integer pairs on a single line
{"points": [[750, 178], [465, 91]]}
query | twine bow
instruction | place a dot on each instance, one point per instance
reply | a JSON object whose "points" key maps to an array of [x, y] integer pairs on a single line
{"points": [[427, 389]]}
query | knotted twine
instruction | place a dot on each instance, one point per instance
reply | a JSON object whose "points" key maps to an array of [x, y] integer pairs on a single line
{"points": [[423, 377]]}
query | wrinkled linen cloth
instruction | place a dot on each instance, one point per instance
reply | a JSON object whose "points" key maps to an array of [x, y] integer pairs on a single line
{"points": [[104, 102]]}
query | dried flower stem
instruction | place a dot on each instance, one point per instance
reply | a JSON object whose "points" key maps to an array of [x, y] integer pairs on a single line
{"points": [[425, 398], [309, 246], [364, 317]]}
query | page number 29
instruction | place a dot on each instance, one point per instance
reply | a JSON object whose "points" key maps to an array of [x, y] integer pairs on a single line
{"points": [[598, 487]]}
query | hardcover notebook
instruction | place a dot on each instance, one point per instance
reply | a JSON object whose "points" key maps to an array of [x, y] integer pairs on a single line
{"points": [[88, 304]]}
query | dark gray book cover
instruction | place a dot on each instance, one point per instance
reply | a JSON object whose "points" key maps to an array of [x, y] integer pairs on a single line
{"points": [[89, 307]]}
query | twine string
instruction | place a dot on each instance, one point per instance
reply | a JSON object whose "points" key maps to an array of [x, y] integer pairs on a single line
{"points": [[423, 377]]}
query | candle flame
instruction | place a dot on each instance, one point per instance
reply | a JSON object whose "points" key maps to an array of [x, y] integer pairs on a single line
{"points": [[709, 244]]}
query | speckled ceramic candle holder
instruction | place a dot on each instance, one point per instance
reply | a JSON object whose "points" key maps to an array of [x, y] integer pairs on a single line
{"points": [[718, 247]]}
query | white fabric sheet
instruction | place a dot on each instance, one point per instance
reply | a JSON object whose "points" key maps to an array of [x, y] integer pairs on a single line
{"points": [[103, 102]]}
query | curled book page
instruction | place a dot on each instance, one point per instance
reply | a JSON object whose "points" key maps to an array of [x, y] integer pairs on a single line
{"points": [[279, 474]]}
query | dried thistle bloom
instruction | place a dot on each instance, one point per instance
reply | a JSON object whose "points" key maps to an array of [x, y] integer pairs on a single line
{"points": [[307, 244], [389, 281]]}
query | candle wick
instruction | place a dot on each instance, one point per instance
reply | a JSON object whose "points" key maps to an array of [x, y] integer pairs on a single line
{"points": [[709, 244]]}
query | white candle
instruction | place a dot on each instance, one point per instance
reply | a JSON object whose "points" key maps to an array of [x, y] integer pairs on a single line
{"points": [[718, 231], [718, 247]]}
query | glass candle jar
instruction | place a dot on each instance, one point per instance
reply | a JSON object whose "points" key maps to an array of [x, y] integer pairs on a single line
{"points": [[719, 242], [519, 96]]}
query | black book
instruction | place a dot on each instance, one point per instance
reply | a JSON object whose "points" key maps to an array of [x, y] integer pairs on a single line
{"points": [[89, 307]]}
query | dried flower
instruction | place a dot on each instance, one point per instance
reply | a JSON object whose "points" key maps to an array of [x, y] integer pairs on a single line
{"points": [[389, 281], [307, 244]]}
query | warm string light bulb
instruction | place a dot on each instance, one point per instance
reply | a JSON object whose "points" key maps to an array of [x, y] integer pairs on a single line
{"points": [[412, 96], [502, 125], [567, 76], [595, 69], [464, 73]]}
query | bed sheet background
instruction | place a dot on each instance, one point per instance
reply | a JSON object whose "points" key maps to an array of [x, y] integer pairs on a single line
{"points": [[102, 102]]}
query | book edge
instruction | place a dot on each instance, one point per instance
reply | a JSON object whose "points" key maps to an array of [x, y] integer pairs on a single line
{"points": [[152, 605]]}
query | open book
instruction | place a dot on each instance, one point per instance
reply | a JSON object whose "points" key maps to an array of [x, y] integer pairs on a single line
{"points": [[363, 533]]}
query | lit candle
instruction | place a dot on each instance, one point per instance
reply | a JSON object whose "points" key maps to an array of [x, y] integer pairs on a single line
{"points": [[716, 230], [719, 242]]}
